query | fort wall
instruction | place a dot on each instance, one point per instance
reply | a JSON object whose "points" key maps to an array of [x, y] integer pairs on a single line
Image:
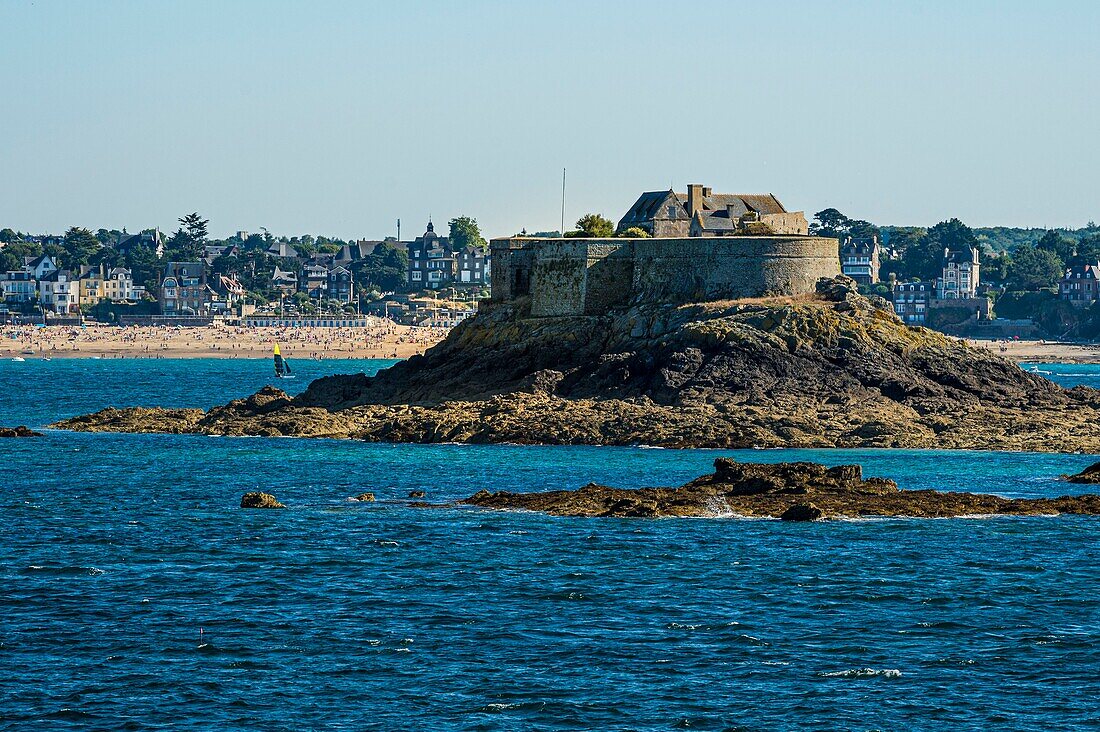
{"points": [[589, 276]]}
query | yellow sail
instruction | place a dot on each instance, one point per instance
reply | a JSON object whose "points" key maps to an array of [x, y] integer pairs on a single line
{"points": [[277, 352]]}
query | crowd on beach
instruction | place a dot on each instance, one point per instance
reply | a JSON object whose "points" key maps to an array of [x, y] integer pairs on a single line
{"points": [[386, 339]]}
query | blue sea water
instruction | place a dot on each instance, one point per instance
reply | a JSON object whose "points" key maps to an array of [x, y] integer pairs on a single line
{"points": [[115, 550]]}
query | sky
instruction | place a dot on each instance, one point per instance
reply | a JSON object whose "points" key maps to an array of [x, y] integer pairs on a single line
{"points": [[338, 118]]}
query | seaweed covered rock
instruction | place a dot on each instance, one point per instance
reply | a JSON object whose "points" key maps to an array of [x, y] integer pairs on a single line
{"points": [[789, 491], [20, 431], [1090, 475], [260, 500]]}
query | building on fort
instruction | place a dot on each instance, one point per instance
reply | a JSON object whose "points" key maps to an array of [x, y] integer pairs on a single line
{"points": [[589, 276], [701, 212]]}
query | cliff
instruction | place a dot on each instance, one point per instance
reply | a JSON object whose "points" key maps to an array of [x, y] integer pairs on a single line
{"points": [[832, 369]]}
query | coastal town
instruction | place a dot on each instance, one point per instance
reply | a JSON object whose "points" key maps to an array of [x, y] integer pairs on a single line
{"points": [[951, 278]]}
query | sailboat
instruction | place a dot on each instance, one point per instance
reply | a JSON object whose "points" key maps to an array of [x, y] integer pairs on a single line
{"points": [[282, 366]]}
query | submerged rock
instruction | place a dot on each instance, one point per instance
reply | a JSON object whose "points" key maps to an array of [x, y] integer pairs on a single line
{"points": [[789, 491], [260, 500], [832, 369], [416, 494], [20, 431]]}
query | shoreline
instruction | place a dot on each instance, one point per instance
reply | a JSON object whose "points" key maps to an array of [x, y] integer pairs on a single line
{"points": [[1031, 351], [387, 340]]}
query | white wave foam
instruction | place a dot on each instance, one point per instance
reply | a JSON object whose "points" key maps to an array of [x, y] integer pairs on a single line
{"points": [[861, 673]]}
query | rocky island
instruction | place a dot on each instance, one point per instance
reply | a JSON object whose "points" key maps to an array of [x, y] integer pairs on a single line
{"points": [[572, 351], [788, 491]]}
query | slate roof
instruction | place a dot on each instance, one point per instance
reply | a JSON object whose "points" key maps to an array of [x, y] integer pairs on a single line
{"points": [[960, 256], [282, 249], [649, 205], [183, 269], [715, 207]]}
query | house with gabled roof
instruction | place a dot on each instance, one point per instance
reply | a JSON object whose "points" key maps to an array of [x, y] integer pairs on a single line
{"points": [[60, 291], [152, 239], [701, 212], [1080, 283], [184, 290], [40, 267], [284, 280], [282, 250]]}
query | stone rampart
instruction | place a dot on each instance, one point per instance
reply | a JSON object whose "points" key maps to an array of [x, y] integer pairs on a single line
{"points": [[589, 276]]}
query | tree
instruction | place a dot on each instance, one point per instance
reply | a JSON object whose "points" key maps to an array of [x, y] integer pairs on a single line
{"points": [[386, 268], [1032, 268], [79, 246], [465, 233], [196, 228], [633, 232], [1088, 248], [143, 265], [995, 267], [829, 222], [833, 223], [12, 255], [952, 234], [917, 255], [189, 241], [7, 236], [593, 226], [1054, 242], [923, 257]]}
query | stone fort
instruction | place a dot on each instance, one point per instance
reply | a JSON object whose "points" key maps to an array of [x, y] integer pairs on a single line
{"points": [[591, 276]]}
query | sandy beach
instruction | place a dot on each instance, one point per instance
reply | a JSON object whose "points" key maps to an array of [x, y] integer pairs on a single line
{"points": [[387, 340], [1043, 351]]}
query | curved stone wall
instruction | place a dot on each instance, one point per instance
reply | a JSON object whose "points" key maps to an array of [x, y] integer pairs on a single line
{"points": [[588, 276], [685, 270]]}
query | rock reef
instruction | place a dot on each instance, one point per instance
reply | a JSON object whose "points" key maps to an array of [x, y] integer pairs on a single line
{"points": [[260, 500], [1090, 475], [20, 431], [833, 369], [788, 491]]}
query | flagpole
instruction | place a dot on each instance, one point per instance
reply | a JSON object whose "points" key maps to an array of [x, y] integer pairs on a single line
{"points": [[563, 201]]}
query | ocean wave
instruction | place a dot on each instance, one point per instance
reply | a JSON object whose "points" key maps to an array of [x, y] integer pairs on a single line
{"points": [[64, 571], [861, 673]]}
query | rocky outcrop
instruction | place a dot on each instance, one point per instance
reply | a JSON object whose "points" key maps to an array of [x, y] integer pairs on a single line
{"points": [[260, 500], [830, 370], [20, 431], [788, 491], [1090, 475], [136, 419], [364, 498]]}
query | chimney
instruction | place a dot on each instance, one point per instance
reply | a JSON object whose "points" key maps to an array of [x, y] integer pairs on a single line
{"points": [[695, 198]]}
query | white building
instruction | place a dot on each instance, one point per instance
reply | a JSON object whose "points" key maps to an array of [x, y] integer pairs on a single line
{"points": [[40, 266], [960, 274], [19, 286], [59, 292], [119, 285]]}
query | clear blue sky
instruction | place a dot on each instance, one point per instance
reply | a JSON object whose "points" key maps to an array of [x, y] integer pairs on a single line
{"points": [[339, 117]]}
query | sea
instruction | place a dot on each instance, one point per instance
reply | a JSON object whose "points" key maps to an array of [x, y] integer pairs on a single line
{"points": [[135, 594]]}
